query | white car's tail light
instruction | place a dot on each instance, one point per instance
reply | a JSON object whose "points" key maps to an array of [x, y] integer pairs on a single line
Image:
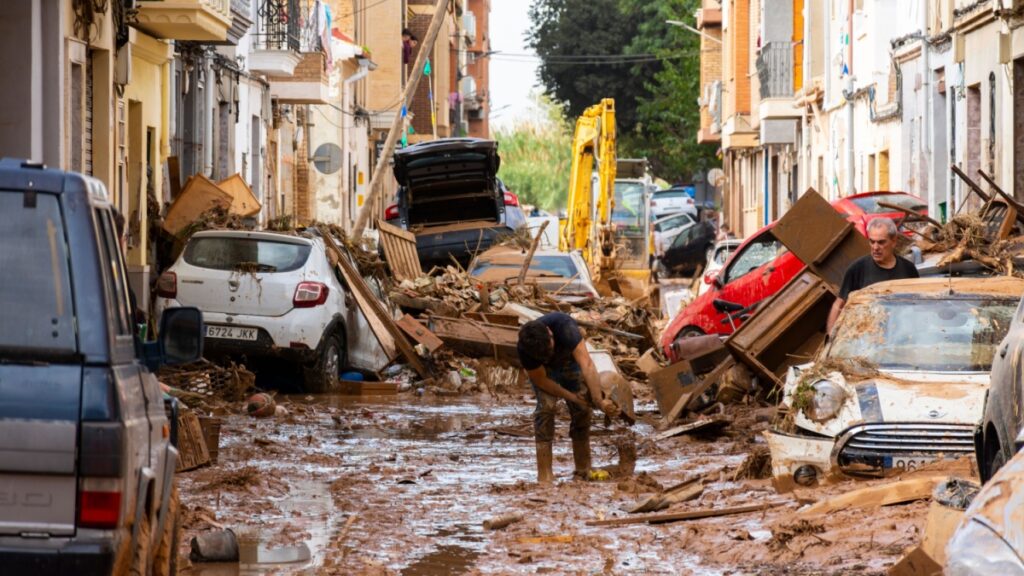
{"points": [[309, 294], [511, 199], [391, 212], [167, 285]]}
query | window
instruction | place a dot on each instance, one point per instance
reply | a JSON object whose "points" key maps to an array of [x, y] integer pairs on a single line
{"points": [[756, 254], [117, 285], [672, 222], [36, 310], [246, 254]]}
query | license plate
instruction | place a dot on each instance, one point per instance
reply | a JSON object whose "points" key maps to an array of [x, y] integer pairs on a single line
{"points": [[908, 464], [230, 332]]}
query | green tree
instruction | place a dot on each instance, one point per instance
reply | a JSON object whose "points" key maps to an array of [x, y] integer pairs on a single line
{"points": [[535, 158], [656, 101]]}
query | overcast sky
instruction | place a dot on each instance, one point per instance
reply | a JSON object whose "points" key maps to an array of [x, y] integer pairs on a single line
{"points": [[513, 76]]}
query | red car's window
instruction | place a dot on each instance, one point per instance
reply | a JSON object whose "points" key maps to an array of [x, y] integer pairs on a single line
{"points": [[869, 204], [756, 254]]}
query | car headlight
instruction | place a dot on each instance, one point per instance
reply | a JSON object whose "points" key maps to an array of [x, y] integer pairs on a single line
{"points": [[975, 550], [828, 399]]}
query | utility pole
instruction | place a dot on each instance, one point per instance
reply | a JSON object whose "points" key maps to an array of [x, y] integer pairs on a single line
{"points": [[394, 133]]}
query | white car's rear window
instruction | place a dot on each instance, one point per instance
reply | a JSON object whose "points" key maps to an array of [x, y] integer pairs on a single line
{"points": [[246, 254]]}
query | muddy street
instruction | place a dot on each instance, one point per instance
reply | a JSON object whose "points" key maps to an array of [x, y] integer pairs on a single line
{"points": [[402, 485]]}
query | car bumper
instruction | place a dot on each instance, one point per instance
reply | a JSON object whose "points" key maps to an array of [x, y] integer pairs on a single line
{"points": [[461, 244], [794, 455], [72, 558], [293, 336]]}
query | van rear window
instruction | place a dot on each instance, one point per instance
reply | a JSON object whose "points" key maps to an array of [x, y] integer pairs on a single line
{"points": [[246, 254], [36, 309]]}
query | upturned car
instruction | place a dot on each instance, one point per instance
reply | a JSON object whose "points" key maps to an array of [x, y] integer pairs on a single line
{"points": [[87, 448], [901, 383]]}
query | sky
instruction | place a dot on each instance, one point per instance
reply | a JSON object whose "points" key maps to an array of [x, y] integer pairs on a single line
{"points": [[513, 76]]}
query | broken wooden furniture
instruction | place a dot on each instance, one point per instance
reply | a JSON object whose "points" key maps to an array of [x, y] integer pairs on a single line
{"points": [[478, 339], [399, 248]]}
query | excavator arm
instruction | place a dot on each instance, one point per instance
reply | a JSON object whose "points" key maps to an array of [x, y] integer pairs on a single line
{"points": [[588, 227]]}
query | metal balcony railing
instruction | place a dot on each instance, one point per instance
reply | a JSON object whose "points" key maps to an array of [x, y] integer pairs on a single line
{"points": [[775, 70], [278, 25]]}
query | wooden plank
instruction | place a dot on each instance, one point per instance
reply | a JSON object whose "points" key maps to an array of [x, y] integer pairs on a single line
{"points": [[192, 450], [887, 494], [917, 562], [477, 339], [418, 332], [174, 176], [703, 384], [493, 318], [361, 388], [695, 426], [690, 515], [380, 321], [400, 251]]}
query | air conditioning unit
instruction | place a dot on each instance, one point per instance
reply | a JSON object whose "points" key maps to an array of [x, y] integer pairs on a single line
{"points": [[477, 114], [469, 26]]}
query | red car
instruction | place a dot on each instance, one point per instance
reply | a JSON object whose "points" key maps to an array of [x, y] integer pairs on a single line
{"points": [[761, 266]]}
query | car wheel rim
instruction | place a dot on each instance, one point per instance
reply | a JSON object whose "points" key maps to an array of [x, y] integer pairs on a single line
{"points": [[331, 364]]}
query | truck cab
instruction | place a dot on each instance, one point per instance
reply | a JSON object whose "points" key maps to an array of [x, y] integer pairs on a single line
{"points": [[87, 457]]}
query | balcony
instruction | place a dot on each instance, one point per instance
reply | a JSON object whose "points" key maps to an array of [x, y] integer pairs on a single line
{"points": [[775, 73], [277, 38], [309, 84], [192, 20]]}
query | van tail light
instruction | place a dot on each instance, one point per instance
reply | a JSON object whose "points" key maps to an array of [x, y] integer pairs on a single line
{"points": [[391, 212], [309, 294], [511, 199], [99, 503], [167, 285]]}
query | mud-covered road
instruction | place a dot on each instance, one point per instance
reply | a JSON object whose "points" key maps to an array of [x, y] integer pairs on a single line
{"points": [[401, 485]]}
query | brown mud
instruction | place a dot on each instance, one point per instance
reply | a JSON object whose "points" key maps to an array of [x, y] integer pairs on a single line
{"points": [[402, 486]]}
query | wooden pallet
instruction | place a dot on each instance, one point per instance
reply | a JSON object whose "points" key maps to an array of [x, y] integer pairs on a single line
{"points": [[192, 450]]}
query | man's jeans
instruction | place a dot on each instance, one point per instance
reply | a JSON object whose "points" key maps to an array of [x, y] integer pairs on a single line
{"points": [[569, 377]]}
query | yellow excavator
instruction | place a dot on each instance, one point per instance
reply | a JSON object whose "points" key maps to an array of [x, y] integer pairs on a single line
{"points": [[589, 226]]}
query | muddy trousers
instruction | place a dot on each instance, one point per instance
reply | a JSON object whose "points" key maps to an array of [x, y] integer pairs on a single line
{"points": [[569, 377]]}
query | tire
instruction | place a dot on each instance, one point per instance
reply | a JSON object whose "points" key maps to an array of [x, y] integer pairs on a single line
{"points": [[690, 332], [324, 374], [165, 557], [994, 460]]}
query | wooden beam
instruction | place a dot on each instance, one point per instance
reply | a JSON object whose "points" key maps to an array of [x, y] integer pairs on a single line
{"points": [[970, 183], [879, 495], [690, 515], [418, 332], [380, 320]]}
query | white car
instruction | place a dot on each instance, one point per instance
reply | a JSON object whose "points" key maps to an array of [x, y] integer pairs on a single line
{"points": [[902, 382], [716, 261], [271, 295], [564, 275], [672, 200], [667, 228], [535, 219]]}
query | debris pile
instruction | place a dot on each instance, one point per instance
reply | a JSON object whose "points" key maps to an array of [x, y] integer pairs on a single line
{"points": [[205, 384]]}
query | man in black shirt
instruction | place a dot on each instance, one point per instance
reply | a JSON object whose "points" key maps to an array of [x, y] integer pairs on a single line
{"points": [[883, 264], [555, 357]]}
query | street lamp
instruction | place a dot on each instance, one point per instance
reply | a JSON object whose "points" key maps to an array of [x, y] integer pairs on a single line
{"points": [[689, 28]]}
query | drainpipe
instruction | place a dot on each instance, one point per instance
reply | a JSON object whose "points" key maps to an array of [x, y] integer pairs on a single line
{"points": [[926, 143], [365, 67], [828, 53], [208, 116]]}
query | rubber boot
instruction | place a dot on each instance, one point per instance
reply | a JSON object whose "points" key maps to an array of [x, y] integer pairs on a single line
{"points": [[544, 474], [581, 457]]}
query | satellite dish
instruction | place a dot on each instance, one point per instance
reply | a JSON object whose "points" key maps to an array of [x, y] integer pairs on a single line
{"points": [[716, 177], [327, 158]]}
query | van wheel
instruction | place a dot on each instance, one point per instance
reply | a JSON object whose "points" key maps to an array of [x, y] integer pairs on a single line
{"points": [[325, 373], [994, 459], [165, 558], [141, 547]]}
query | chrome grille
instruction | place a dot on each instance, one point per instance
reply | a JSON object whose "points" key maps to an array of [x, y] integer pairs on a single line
{"points": [[899, 439]]}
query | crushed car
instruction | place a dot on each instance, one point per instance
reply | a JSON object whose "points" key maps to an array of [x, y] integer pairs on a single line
{"points": [[990, 537], [564, 275], [901, 383]]}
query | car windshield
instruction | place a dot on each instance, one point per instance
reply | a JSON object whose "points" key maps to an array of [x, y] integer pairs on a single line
{"points": [[561, 266], [756, 254], [869, 204], [942, 335], [36, 311], [629, 205], [246, 254], [672, 222], [722, 253], [670, 194]]}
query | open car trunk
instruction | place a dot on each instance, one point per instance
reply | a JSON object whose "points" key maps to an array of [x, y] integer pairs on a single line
{"points": [[450, 182]]}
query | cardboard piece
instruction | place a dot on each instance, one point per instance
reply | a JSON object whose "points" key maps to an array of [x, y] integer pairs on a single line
{"points": [[670, 383], [916, 563], [938, 529], [648, 363]]}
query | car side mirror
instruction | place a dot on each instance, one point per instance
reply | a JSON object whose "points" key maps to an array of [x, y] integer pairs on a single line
{"points": [[713, 279], [181, 336]]}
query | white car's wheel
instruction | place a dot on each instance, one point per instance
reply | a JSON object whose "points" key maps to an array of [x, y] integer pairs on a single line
{"points": [[325, 373]]}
